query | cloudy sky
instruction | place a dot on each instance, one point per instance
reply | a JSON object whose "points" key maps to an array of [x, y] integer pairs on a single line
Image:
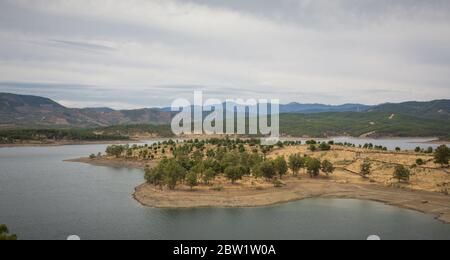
{"points": [[144, 53]]}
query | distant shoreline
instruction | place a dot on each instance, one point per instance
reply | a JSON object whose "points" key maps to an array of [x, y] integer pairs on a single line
{"points": [[433, 140], [64, 143]]}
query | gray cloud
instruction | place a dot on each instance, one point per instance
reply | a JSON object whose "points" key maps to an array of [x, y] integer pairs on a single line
{"points": [[146, 53]]}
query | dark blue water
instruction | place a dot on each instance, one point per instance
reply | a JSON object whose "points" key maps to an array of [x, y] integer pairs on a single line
{"points": [[42, 197]]}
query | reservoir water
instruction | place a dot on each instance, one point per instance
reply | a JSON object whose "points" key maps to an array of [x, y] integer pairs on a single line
{"points": [[43, 197]]}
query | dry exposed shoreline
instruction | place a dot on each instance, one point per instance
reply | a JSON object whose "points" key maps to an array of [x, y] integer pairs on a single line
{"points": [[238, 196], [432, 203], [116, 162]]}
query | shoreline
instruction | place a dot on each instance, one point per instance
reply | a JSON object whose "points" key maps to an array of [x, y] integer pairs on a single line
{"points": [[69, 143], [432, 140], [115, 162], [236, 196], [428, 203], [426, 191]]}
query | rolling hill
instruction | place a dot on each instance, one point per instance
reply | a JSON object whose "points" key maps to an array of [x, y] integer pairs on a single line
{"points": [[404, 119], [19, 111]]}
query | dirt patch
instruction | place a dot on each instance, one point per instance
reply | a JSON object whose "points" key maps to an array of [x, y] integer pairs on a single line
{"points": [[295, 189]]}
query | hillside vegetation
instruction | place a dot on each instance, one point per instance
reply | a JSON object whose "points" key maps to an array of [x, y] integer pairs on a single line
{"points": [[356, 124], [114, 133]]}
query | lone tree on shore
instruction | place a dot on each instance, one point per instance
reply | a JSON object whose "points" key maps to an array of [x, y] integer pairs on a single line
{"points": [[401, 173], [366, 169], [281, 166], [296, 162], [327, 167], [313, 166], [442, 155], [5, 235]]}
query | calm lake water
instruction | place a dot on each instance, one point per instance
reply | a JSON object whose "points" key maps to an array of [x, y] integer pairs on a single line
{"points": [[42, 197]]}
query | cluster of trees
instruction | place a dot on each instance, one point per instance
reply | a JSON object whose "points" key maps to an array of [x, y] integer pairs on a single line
{"points": [[5, 235], [193, 163], [371, 146], [196, 166], [421, 150]]}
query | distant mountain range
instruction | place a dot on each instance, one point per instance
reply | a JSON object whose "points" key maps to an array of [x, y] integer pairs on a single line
{"points": [[306, 108], [21, 111]]}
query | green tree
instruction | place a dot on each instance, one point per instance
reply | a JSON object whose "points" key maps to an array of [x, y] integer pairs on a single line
{"points": [[281, 166], [420, 161], [268, 170], [313, 166], [327, 167], [234, 173], [366, 169], [325, 147], [173, 173], [209, 176], [296, 162], [312, 147], [401, 173], [192, 179], [442, 155], [155, 176], [5, 235], [256, 171]]}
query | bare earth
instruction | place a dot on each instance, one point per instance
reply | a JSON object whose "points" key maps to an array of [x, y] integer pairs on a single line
{"points": [[295, 189], [424, 193]]}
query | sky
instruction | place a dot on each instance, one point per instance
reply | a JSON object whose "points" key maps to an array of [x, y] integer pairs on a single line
{"points": [[146, 53]]}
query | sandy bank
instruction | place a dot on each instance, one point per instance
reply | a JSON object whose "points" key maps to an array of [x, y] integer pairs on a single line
{"points": [[114, 162], [427, 202]]}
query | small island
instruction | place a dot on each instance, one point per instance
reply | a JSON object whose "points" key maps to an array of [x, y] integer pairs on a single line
{"points": [[224, 172]]}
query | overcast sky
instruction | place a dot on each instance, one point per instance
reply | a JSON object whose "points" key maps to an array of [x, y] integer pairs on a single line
{"points": [[145, 53]]}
